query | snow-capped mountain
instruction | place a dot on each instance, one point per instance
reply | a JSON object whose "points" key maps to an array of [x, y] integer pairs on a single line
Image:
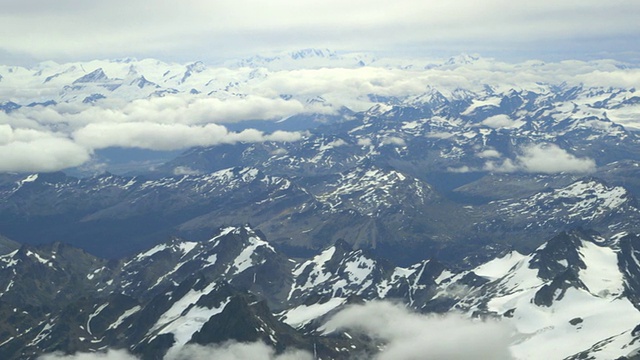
{"points": [[436, 185], [576, 296], [568, 299]]}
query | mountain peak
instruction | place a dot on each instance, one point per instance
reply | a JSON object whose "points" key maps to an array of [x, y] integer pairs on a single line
{"points": [[310, 52], [560, 254], [95, 76]]}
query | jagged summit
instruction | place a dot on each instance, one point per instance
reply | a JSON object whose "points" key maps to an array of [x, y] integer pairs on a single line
{"points": [[574, 295], [95, 76]]}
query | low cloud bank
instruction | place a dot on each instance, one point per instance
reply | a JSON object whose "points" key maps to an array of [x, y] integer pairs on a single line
{"points": [[411, 335], [183, 120], [544, 158], [237, 351], [109, 355], [226, 351], [153, 136], [45, 139], [33, 150]]}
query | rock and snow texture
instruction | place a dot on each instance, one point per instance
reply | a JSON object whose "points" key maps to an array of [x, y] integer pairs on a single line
{"points": [[566, 298], [575, 296]]}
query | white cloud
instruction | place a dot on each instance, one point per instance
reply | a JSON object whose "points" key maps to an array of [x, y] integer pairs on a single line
{"points": [[489, 153], [461, 170], [185, 170], [156, 136], [43, 139], [415, 336], [227, 351], [26, 150], [189, 110], [236, 351], [500, 121], [109, 355], [393, 140], [364, 142], [544, 158]]}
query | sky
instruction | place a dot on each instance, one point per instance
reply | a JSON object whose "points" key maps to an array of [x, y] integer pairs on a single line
{"points": [[506, 34], [79, 30]]}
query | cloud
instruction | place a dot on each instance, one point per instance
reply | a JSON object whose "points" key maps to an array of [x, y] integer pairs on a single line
{"points": [[500, 121], [153, 136], [410, 335], [460, 170], [544, 158], [393, 140], [489, 153], [26, 150], [237, 351], [198, 110], [226, 351], [185, 170], [72, 28], [43, 139], [109, 355]]}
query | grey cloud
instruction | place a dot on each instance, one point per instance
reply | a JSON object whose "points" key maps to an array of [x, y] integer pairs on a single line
{"points": [[204, 28], [410, 335]]}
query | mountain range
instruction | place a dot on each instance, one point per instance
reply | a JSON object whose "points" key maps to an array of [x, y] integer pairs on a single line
{"points": [[325, 184]]}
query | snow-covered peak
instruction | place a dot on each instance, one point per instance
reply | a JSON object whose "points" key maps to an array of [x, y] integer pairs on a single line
{"points": [[566, 296], [95, 76]]}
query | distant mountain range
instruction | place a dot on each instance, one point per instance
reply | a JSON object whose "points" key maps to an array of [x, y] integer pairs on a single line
{"points": [[282, 190]]}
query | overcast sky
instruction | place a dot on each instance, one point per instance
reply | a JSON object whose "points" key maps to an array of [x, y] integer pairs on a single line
{"points": [[70, 30]]}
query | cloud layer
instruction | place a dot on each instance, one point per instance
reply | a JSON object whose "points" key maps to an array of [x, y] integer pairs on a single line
{"points": [[410, 335], [56, 137], [198, 111], [198, 28]]}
